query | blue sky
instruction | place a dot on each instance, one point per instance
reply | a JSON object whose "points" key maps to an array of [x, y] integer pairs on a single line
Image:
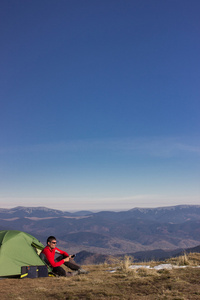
{"points": [[99, 103]]}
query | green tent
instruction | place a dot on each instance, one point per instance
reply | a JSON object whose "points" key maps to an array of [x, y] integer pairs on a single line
{"points": [[18, 249]]}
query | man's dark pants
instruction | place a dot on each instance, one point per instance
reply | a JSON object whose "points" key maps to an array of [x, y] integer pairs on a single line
{"points": [[70, 264], [59, 270]]}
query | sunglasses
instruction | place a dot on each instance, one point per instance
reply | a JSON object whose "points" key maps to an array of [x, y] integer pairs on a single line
{"points": [[54, 242]]}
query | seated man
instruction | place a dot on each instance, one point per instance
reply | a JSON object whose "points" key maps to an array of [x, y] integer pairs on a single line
{"points": [[48, 255]]}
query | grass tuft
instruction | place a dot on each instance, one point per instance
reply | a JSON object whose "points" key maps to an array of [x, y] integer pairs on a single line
{"points": [[126, 262], [183, 260]]}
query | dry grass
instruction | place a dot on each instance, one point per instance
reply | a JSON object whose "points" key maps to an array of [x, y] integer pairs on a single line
{"points": [[183, 260], [192, 259], [125, 283], [125, 263]]}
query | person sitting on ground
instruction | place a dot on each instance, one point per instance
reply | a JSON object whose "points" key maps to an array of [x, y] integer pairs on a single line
{"points": [[56, 257]]}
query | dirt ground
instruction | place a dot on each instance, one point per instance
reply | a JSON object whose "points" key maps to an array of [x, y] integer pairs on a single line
{"points": [[100, 283]]}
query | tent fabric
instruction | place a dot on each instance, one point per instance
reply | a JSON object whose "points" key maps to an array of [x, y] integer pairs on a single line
{"points": [[18, 249]]}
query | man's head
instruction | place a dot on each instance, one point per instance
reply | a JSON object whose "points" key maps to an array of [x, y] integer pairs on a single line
{"points": [[51, 242]]}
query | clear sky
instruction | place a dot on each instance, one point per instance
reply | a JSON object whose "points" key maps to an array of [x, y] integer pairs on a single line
{"points": [[99, 103]]}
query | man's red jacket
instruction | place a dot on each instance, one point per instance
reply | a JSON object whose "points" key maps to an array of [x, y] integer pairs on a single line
{"points": [[50, 254]]}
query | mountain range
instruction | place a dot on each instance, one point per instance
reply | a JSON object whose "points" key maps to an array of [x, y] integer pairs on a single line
{"points": [[110, 233]]}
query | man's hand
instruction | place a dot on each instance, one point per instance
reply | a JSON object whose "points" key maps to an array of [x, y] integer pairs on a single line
{"points": [[66, 259]]}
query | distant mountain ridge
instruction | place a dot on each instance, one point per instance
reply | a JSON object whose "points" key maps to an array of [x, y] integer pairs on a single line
{"points": [[42, 212], [179, 213], [109, 232]]}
